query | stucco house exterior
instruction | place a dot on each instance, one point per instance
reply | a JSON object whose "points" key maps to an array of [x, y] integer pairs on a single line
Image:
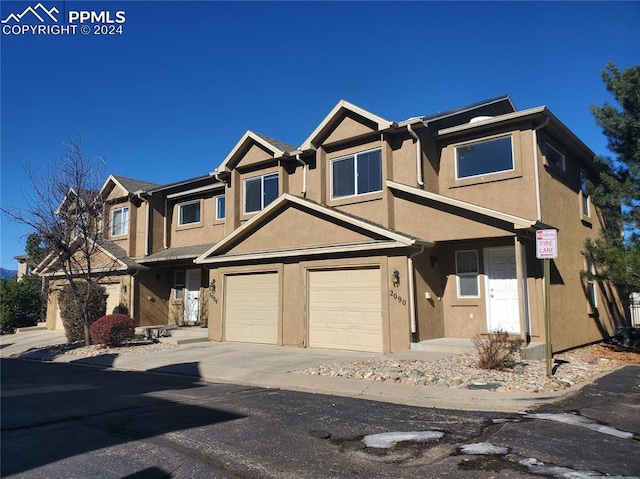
{"points": [[371, 235]]}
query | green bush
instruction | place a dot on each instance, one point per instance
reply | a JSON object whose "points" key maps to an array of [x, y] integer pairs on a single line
{"points": [[71, 313], [112, 330], [496, 349], [21, 303]]}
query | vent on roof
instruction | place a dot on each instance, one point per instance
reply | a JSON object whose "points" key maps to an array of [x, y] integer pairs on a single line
{"points": [[476, 119]]}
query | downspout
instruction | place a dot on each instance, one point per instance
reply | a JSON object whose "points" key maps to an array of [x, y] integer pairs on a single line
{"points": [[166, 223], [132, 297], [147, 217], [412, 293], [304, 175], [535, 166], [418, 155]]}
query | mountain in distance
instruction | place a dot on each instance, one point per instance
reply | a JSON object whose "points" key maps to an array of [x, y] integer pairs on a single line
{"points": [[7, 273]]}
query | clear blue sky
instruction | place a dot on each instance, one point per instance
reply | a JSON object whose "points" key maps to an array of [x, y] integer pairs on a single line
{"points": [[171, 96]]}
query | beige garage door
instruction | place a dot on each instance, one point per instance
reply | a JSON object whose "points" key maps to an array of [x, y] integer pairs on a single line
{"points": [[251, 308], [345, 309]]}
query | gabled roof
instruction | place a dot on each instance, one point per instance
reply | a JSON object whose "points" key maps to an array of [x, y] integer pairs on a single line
{"points": [[334, 114], [517, 221], [276, 147], [176, 253], [388, 237], [129, 185]]}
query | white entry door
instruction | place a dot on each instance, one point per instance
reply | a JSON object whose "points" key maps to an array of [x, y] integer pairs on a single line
{"points": [[502, 290], [192, 298]]}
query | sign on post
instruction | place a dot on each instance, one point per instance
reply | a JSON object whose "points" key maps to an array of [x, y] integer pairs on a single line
{"points": [[546, 244]]}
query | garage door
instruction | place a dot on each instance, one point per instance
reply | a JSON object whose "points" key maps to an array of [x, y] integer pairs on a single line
{"points": [[251, 308], [345, 309]]}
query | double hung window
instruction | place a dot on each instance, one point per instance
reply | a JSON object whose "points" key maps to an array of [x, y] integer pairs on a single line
{"points": [[120, 221]]}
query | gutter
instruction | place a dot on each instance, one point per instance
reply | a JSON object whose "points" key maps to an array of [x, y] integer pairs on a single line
{"points": [[536, 166], [419, 172], [304, 174]]}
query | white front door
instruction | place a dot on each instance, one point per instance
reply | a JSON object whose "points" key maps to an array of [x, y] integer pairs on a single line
{"points": [[502, 290], [192, 298]]}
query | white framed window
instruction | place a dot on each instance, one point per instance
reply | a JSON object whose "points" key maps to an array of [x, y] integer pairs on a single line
{"points": [[467, 274], [555, 158], [220, 207], [584, 194], [357, 174], [178, 284], [259, 192], [189, 213], [120, 221], [591, 284], [484, 157]]}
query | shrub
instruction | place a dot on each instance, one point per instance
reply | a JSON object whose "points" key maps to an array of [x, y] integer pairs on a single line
{"points": [[70, 309], [495, 350], [112, 330], [21, 303]]}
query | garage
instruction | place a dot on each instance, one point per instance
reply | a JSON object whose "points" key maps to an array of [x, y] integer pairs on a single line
{"points": [[345, 309], [251, 308]]}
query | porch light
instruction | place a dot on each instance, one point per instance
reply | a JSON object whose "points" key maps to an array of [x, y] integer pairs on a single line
{"points": [[395, 278]]}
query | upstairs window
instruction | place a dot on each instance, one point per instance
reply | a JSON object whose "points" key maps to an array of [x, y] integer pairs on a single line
{"points": [[584, 194], [357, 174], [120, 221], [591, 284], [467, 274], [259, 192], [555, 158], [484, 157], [220, 207], [189, 213]]}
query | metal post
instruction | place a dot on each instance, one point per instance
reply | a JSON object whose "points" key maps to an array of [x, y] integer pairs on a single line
{"points": [[547, 313]]}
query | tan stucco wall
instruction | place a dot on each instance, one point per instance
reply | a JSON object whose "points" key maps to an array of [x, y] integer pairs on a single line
{"points": [[254, 154], [208, 230], [349, 127]]}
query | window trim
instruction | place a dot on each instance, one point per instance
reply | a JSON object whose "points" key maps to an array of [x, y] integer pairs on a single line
{"points": [[471, 177], [176, 283], [585, 206], [123, 225], [562, 168], [261, 178], [354, 156], [224, 212], [187, 203], [476, 274], [592, 292]]}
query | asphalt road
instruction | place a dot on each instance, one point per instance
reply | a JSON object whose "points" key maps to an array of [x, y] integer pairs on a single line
{"points": [[71, 421]]}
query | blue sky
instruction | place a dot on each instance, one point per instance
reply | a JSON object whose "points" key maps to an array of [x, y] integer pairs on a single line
{"points": [[169, 98]]}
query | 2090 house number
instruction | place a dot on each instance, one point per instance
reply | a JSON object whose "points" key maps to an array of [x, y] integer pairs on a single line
{"points": [[398, 298]]}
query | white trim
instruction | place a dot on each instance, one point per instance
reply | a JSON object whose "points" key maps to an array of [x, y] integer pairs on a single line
{"points": [[194, 191], [476, 142], [353, 156], [244, 191], [585, 206], [224, 213], [126, 224], [187, 203], [382, 124], [562, 168], [248, 135], [458, 274]]}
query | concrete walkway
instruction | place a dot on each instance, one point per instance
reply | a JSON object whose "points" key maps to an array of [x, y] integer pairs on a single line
{"points": [[270, 367]]}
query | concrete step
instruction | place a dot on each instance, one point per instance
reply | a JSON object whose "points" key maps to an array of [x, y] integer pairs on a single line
{"points": [[186, 335], [39, 327], [444, 345]]}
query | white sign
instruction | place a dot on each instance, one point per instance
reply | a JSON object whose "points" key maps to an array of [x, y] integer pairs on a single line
{"points": [[546, 244]]}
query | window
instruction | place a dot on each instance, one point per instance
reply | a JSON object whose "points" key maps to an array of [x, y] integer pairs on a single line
{"points": [[467, 274], [484, 157], [178, 285], [259, 192], [220, 207], [189, 213], [591, 284], [584, 193], [120, 221], [555, 158], [357, 174]]}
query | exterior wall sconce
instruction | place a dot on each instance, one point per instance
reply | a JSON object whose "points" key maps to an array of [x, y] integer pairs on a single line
{"points": [[124, 289], [395, 278], [212, 287], [434, 261]]}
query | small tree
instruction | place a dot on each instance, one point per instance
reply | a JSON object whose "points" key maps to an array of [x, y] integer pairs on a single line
{"points": [[64, 207], [71, 314], [616, 254], [20, 303]]}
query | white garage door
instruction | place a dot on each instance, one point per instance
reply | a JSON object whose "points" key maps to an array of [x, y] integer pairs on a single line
{"points": [[345, 309], [251, 308]]}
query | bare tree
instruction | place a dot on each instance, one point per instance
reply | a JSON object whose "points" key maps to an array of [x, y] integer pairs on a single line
{"points": [[64, 206]]}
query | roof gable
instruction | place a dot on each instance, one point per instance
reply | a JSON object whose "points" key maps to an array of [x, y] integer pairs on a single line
{"points": [[272, 148], [119, 186]]}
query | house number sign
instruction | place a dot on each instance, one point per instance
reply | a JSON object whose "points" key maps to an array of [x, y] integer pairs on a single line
{"points": [[398, 298]]}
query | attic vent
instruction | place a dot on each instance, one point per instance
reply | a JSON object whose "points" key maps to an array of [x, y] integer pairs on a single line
{"points": [[479, 118]]}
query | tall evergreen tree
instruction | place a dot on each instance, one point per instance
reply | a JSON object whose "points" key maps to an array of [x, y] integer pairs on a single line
{"points": [[617, 254]]}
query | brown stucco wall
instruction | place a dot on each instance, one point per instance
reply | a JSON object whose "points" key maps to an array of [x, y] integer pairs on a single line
{"points": [[152, 297]]}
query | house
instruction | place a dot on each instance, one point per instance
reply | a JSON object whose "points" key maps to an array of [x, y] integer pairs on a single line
{"points": [[371, 235]]}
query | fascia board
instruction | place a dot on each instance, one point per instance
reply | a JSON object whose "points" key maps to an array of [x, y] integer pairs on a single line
{"points": [[518, 222], [192, 191], [495, 120], [247, 135]]}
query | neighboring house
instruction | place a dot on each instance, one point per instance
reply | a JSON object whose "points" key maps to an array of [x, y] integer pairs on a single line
{"points": [[371, 235], [24, 266]]}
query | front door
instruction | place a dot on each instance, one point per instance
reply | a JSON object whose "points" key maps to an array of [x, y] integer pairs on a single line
{"points": [[192, 298], [502, 290]]}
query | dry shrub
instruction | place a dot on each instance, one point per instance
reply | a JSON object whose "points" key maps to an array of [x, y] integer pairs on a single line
{"points": [[495, 349]]}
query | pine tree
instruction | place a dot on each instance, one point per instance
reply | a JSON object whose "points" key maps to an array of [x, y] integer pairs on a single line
{"points": [[616, 254]]}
